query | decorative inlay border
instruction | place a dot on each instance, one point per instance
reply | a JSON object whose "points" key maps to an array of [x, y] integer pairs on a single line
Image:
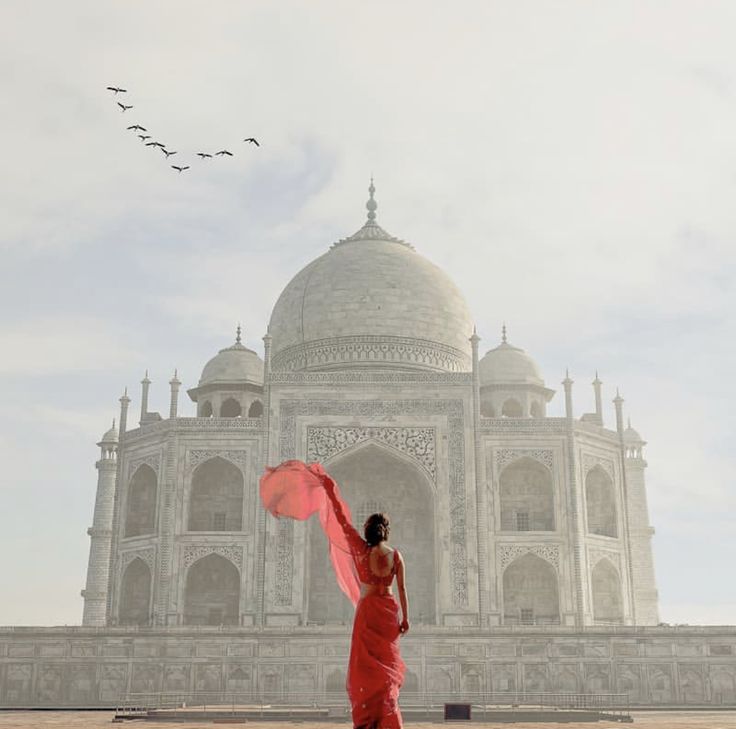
{"points": [[591, 461], [504, 456], [374, 377], [193, 553], [370, 350], [419, 443], [452, 410], [284, 561], [196, 457], [148, 555], [507, 553], [150, 459]]}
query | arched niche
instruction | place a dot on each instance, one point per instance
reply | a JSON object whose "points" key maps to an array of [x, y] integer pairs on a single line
{"points": [[607, 602], [212, 592], [135, 594], [140, 511], [216, 497], [371, 475], [256, 409], [536, 410], [230, 408], [530, 592], [600, 503], [486, 409], [512, 408], [206, 409], [526, 496], [336, 681]]}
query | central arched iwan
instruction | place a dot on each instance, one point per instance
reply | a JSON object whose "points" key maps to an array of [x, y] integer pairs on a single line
{"points": [[375, 475]]}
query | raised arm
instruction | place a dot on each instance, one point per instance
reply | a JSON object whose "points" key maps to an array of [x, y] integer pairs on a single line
{"points": [[354, 540], [403, 600]]}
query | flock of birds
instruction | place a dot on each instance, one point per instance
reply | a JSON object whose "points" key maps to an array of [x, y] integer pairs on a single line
{"points": [[160, 145]]}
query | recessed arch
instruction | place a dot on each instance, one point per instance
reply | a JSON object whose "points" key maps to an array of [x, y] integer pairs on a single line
{"points": [[530, 592], [526, 494], [216, 497], [206, 409], [135, 594], [140, 512], [607, 602], [512, 408], [600, 503], [486, 409], [256, 409], [374, 473], [231, 408], [212, 592], [535, 410]]}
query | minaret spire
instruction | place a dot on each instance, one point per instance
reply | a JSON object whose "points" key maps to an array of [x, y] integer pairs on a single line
{"points": [[503, 334], [237, 334], [372, 205]]}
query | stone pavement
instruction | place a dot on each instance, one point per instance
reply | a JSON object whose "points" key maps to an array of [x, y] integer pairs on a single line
{"points": [[100, 719]]}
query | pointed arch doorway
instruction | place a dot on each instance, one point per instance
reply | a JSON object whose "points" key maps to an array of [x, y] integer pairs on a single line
{"points": [[375, 477]]}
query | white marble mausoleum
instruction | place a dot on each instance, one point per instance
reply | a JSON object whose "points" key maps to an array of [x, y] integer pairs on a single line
{"points": [[527, 537]]}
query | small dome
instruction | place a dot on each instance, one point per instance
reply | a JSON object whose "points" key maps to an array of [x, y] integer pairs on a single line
{"points": [[507, 364], [632, 436], [233, 364], [110, 436]]}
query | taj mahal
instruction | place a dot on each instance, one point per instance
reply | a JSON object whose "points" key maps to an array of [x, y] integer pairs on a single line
{"points": [[527, 537]]}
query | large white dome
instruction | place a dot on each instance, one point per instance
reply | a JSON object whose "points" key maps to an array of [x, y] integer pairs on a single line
{"points": [[371, 301]]}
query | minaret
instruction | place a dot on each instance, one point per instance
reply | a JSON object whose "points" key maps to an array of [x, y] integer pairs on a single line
{"points": [[618, 402], [568, 383], [175, 384], [95, 592], [598, 399], [646, 607], [145, 385]]}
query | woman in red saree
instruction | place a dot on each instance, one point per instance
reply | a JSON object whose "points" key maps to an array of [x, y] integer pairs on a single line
{"points": [[365, 570]]}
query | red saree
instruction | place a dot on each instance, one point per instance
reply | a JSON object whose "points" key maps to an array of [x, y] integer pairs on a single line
{"points": [[375, 669]]}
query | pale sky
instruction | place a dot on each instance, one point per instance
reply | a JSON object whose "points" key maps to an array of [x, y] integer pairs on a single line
{"points": [[571, 165]]}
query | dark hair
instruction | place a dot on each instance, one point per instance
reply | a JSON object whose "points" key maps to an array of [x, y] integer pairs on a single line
{"points": [[376, 529]]}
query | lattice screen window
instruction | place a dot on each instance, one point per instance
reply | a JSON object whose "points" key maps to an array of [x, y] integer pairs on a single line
{"points": [[527, 616], [365, 510], [522, 521], [219, 521]]}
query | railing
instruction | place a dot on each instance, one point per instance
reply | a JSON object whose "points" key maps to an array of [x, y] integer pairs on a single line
{"points": [[336, 702]]}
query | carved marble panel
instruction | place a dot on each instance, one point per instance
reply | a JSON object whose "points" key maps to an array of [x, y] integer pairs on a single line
{"points": [[193, 553], [324, 442], [507, 553], [504, 456], [591, 461], [150, 459], [236, 457]]}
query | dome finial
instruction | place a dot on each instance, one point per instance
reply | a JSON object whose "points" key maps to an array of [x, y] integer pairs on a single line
{"points": [[371, 204], [503, 333], [237, 334]]}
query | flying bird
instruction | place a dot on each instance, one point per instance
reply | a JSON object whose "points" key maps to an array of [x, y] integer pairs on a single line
{"points": [[180, 169], [124, 107], [203, 155], [144, 136], [155, 144], [168, 154], [223, 152], [137, 128], [116, 89], [252, 140]]}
